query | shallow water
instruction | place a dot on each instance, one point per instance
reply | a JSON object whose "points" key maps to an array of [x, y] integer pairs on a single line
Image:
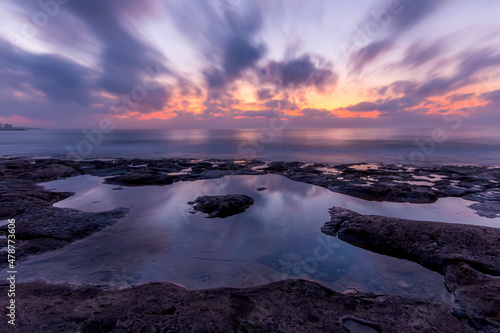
{"points": [[278, 237]]}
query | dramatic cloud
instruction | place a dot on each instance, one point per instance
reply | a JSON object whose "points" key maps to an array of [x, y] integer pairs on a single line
{"points": [[266, 93], [297, 73], [412, 93], [58, 78], [238, 55], [315, 113], [261, 113], [232, 63], [418, 54], [124, 58], [391, 20], [491, 96], [368, 53], [388, 105], [281, 104], [225, 35], [459, 97]]}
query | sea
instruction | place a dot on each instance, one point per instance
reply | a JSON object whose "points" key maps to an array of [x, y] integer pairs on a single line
{"points": [[417, 146]]}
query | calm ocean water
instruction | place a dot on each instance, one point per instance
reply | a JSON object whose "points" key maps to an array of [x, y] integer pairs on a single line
{"points": [[416, 145]]}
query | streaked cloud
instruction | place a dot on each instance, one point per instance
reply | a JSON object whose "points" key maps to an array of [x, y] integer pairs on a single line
{"points": [[232, 63]]}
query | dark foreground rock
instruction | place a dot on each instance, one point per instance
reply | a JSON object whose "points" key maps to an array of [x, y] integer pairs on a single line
{"points": [[432, 244], [468, 256], [222, 205], [17, 195], [18, 188], [285, 306], [43, 229]]}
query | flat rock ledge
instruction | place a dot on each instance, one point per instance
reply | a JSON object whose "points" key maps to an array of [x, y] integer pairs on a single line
{"points": [[378, 182], [284, 306], [222, 205], [468, 256], [46, 228]]}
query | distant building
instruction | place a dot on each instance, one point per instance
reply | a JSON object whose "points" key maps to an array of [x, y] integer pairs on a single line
{"points": [[5, 126]]}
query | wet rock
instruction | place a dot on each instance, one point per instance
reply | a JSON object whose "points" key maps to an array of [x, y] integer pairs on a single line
{"points": [[18, 188], [486, 196], [487, 209], [141, 179], [63, 223], [222, 205], [432, 244], [389, 192], [488, 202], [285, 306], [286, 167], [447, 190], [42, 229], [17, 195], [468, 256], [224, 166], [476, 293], [36, 170], [386, 182]]}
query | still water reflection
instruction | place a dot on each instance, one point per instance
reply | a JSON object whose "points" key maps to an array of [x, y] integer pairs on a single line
{"points": [[278, 237]]}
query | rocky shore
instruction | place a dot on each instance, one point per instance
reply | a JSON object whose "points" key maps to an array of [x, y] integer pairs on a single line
{"points": [[285, 306], [468, 256], [43, 229], [378, 182]]}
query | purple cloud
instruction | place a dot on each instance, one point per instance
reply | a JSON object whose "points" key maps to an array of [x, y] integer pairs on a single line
{"points": [[393, 18], [316, 113], [280, 104], [493, 96], [266, 93], [418, 54], [297, 73], [459, 97]]}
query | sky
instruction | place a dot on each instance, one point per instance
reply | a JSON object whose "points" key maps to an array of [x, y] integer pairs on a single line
{"points": [[149, 64]]}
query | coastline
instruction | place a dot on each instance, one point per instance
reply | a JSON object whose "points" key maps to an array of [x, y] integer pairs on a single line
{"points": [[25, 200]]}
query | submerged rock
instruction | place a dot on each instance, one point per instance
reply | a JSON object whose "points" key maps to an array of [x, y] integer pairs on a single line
{"points": [[222, 205]]}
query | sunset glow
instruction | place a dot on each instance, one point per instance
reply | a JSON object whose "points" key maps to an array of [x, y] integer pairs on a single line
{"points": [[236, 63]]}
